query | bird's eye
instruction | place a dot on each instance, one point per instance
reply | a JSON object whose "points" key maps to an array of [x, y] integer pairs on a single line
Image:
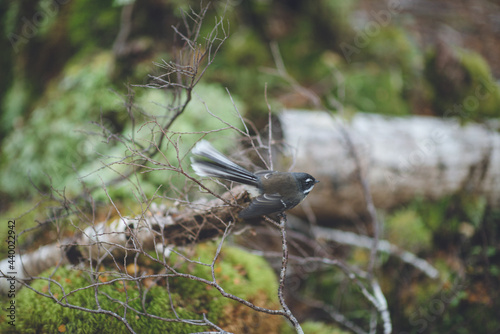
{"points": [[309, 182]]}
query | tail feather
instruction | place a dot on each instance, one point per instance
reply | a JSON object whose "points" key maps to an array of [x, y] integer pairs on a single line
{"points": [[217, 165]]}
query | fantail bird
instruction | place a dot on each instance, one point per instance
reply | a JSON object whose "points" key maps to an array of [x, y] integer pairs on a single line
{"points": [[278, 191]]}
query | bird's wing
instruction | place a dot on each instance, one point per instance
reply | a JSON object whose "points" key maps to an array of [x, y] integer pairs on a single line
{"points": [[265, 204]]}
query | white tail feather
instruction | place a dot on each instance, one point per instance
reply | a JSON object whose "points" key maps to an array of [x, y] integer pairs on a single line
{"points": [[217, 165]]}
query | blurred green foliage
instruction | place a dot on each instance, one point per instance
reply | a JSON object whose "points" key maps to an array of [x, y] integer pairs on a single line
{"points": [[48, 96], [461, 84], [51, 143], [406, 229], [100, 19], [64, 134]]}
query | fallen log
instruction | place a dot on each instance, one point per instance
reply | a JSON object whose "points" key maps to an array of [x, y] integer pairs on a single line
{"points": [[402, 158], [157, 229]]}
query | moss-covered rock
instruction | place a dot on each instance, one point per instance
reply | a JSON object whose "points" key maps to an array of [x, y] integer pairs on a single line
{"points": [[238, 272]]}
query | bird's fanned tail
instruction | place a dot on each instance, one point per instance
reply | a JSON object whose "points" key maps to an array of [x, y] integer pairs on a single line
{"points": [[215, 164]]}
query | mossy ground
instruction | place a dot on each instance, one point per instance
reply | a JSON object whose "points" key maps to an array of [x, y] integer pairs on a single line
{"points": [[247, 276]]}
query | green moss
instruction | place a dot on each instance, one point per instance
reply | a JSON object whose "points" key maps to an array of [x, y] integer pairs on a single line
{"points": [[14, 104], [464, 88], [482, 96], [246, 49], [244, 275], [375, 89], [314, 327], [405, 228], [104, 19], [382, 74], [394, 47], [48, 144], [432, 213], [474, 208], [195, 119], [238, 272], [55, 145], [336, 12], [26, 215], [449, 216]]}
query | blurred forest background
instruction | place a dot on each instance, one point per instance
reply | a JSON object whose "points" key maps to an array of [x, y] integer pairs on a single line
{"points": [[68, 66]]}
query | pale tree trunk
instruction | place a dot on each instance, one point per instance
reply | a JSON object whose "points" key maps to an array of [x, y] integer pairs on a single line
{"points": [[402, 158]]}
